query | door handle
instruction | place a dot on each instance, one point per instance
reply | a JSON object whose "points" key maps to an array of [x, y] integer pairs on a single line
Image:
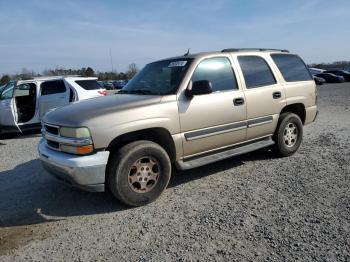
{"points": [[238, 101], [276, 95]]}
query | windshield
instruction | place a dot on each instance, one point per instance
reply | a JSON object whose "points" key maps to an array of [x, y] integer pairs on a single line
{"points": [[158, 78], [7, 91]]}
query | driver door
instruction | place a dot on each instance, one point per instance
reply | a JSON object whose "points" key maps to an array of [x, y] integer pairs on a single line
{"points": [[215, 120], [7, 107], [53, 94]]}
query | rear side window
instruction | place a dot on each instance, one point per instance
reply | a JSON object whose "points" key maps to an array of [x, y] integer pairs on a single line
{"points": [[89, 84], [291, 67], [256, 71], [52, 87], [218, 71]]}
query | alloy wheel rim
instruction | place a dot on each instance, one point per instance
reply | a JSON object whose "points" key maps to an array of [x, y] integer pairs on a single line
{"points": [[144, 174], [290, 134]]}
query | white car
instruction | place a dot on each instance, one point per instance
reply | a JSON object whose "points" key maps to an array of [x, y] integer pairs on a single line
{"points": [[23, 103]]}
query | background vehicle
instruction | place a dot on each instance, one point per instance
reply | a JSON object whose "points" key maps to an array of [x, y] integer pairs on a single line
{"points": [[319, 80], [108, 85], [23, 103], [119, 84], [342, 73], [187, 111], [331, 78], [314, 71]]}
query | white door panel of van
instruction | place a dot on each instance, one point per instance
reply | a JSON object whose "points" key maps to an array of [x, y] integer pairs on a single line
{"points": [[7, 112], [49, 101]]}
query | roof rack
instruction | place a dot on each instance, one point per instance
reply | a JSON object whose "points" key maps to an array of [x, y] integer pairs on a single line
{"points": [[252, 49], [54, 77]]}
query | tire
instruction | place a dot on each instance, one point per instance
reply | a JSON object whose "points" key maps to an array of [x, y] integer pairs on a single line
{"points": [[288, 141], [143, 161]]}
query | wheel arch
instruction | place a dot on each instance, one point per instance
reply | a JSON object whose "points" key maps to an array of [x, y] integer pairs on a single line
{"points": [[297, 108], [158, 135]]}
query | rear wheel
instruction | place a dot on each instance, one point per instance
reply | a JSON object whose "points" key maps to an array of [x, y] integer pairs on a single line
{"points": [[138, 173], [288, 135]]}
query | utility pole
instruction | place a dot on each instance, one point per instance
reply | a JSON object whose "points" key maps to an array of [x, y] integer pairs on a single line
{"points": [[110, 55]]}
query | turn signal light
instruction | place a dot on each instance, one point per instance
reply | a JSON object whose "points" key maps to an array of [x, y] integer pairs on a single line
{"points": [[77, 150]]}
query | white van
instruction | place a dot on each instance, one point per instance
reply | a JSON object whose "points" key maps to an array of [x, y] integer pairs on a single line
{"points": [[23, 103]]}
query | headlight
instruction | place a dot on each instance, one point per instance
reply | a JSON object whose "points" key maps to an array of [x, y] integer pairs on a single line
{"points": [[80, 132]]}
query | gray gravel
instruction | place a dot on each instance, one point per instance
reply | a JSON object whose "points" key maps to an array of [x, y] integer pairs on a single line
{"points": [[255, 207]]}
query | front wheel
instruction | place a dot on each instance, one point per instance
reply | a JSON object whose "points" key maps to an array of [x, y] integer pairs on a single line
{"points": [[288, 135], [138, 173]]}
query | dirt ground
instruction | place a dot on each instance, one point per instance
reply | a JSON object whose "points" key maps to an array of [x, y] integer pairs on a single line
{"points": [[255, 207]]}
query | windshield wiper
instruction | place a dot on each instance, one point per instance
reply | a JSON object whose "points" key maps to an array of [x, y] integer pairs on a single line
{"points": [[140, 91], [123, 92]]}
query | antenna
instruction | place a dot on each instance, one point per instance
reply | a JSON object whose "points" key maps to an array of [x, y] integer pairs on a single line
{"points": [[110, 55], [188, 52]]}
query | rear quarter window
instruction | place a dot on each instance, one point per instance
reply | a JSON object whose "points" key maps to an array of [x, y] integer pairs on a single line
{"points": [[89, 84], [292, 67]]}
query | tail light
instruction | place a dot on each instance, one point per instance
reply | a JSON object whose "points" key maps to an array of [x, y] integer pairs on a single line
{"points": [[102, 92]]}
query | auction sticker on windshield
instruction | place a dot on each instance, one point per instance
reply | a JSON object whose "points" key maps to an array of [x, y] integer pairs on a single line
{"points": [[177, 63]]}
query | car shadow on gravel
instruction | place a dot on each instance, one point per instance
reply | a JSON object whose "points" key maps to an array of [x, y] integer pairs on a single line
{"points": [[30, 196], [181, 177], [24, 135]]}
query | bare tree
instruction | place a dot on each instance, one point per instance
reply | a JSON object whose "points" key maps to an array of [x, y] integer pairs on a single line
{"points": [[133, 69]]}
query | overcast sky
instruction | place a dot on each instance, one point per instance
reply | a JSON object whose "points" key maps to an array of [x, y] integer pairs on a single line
{"points": [[73, 34]]}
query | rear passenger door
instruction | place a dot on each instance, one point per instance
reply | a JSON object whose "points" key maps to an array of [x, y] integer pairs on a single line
{"points": [[53, 94], [265, 97]]}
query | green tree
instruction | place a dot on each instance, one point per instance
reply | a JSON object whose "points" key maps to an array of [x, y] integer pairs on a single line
{"points": [[122, 76], [4, 80], [89, 72]]}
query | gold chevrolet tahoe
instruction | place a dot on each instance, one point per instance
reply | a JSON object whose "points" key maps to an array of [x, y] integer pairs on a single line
{"points": [[184, 111]]}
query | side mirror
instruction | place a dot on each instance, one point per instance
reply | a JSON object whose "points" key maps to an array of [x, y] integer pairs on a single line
{"points": [[201, 87]]}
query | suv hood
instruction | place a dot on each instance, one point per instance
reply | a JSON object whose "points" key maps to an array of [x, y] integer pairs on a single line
{"points": [[79, 113]]}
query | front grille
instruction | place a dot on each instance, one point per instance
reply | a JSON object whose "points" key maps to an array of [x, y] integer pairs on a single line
{"points": [[52, 144], [52, 129]]}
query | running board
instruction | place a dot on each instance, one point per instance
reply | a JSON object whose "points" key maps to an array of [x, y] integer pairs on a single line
{"points": [[218, 155]]}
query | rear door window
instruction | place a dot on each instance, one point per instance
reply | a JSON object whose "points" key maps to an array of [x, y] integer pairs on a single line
{"points": [[88, 84], [256, 71], [53, 87], [292, 67]]}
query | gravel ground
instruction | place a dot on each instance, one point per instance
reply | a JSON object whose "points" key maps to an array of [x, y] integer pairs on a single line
{"points": [[255, 207]]}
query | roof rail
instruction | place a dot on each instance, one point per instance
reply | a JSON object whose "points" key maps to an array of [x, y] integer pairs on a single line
{"points": [[53, 77], [252, 49]]}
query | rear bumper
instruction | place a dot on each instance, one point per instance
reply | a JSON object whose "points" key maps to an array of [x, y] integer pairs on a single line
{"points": [[85, 172], [311, 114]]}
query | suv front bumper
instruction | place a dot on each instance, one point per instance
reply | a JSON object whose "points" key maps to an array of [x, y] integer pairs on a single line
{"points": [[85, 172]]}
